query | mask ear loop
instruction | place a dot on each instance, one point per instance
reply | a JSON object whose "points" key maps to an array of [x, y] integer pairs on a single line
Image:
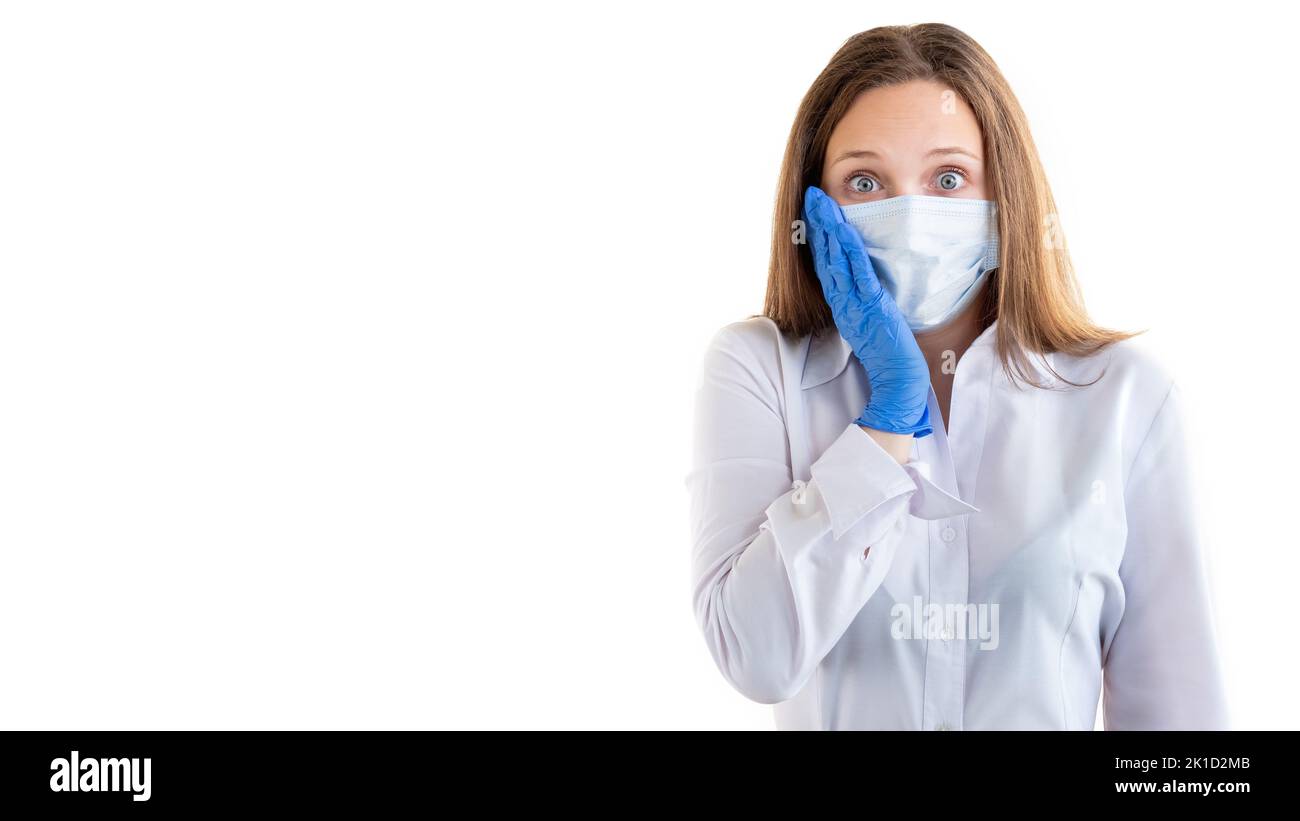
{"points": [[994, 248]]}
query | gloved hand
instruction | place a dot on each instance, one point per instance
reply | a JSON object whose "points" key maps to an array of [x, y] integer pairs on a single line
{"points": [[869, 320]]}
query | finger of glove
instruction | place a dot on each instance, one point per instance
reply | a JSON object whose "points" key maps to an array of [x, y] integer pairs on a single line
{"points": [[854, 250], [867, 288], [823, 210], [831, 266], [834, 271]]}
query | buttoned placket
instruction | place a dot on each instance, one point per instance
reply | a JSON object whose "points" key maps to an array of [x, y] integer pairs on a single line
{"points": [[948, 551]]}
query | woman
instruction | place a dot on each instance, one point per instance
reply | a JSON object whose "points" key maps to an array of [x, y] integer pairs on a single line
{"points": [[928, 492]]}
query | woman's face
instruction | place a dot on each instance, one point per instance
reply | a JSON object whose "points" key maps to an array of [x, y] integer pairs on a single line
{"points": [[919, 137]]}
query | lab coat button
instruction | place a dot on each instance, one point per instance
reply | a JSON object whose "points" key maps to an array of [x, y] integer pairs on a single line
{"points": [[947, 534]]}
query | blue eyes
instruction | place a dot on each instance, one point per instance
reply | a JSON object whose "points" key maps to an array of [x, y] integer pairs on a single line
{"points": [[948, 179], [862, 184]]}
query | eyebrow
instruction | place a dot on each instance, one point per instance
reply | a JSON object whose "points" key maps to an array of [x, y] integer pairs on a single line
{"points": [[938, 152]]}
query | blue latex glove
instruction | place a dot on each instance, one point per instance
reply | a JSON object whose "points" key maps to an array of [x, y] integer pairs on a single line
{"points": [[869, 321]]}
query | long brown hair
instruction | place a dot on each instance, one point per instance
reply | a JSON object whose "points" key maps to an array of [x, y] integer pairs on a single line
{"points": [[1033, 293]]}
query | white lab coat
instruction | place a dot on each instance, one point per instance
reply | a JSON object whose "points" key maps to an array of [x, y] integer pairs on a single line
{"points": [[1063, 515]]}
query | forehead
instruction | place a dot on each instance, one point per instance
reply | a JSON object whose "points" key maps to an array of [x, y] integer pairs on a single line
{"points": [[918, 115]]}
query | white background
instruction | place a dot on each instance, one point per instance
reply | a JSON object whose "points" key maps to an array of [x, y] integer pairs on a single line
{"points": [[347, 349]]}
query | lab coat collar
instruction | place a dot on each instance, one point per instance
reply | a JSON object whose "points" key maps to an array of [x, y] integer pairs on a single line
{"points": [[829, 354]]}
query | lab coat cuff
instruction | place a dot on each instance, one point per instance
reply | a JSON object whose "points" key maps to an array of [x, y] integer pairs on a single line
{"points": [[855, 476], [931, 501]]}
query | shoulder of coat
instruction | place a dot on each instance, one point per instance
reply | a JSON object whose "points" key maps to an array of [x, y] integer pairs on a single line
{"points": [[757, 335], [1132, 363]]}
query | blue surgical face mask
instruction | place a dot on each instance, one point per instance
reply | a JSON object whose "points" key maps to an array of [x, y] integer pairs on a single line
{"points": [[930, 253]]}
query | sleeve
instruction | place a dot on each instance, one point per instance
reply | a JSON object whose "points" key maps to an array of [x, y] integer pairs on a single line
{"points": [[781, 568], [1162, 668]]}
